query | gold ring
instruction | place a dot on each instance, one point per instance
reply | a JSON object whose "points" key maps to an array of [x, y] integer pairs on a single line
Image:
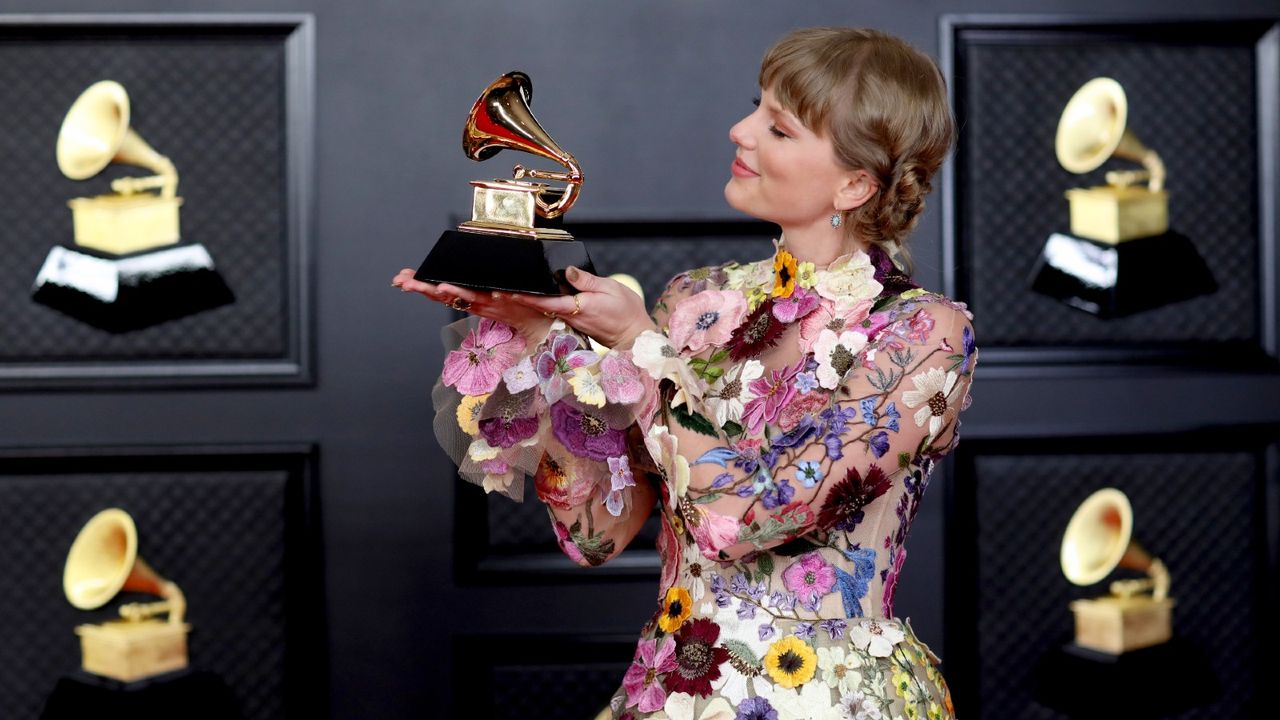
{"points": [[577, 305], [551, 315], [460, 304]]}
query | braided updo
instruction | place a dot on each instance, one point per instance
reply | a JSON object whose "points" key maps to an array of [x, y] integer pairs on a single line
{"points": [[884, 105]]}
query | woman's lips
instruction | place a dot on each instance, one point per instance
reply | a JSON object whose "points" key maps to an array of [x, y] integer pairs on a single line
{"points": [[740, 169]]}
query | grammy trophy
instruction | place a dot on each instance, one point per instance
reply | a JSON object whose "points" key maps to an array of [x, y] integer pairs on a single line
{"points": [[501, 248]]}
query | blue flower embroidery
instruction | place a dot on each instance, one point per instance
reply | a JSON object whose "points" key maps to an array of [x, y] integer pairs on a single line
{"points": [[854, 587]]}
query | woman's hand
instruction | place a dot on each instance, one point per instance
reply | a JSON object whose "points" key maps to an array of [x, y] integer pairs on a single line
{"points": [[530, 323], [605, 309]]}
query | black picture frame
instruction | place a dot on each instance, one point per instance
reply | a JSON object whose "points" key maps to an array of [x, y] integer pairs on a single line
{"points": [[1006, 70], [1007, 608], [263, 338], [238, 527]]}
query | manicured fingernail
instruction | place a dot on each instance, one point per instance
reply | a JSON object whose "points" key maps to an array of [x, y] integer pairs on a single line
{"points": [[572, 272]]}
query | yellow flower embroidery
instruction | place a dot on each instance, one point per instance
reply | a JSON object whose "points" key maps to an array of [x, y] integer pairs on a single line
{"points": [[791, 662], [913, 292], [805, 275], [586, 387], [469, 413], [784, 274], [677, 609]]}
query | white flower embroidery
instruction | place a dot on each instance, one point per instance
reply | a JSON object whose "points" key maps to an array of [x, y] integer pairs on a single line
{"points": [[875, 637], [933, 391], [662, 447], [838, 668], [851, 278], [680, 707], [836, 354], [727, 397], [811, 701]]}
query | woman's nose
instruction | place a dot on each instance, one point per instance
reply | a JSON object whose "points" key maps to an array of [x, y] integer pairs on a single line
{"points": [[738, 134]]}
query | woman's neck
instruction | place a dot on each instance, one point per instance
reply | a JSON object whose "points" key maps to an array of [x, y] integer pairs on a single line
{"points": [[820, 244]]}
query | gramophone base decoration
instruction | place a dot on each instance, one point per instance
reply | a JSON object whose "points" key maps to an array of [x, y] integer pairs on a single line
{"points": [[122, 224], [128, 650], [1116, 214], [1118, 625], [1115, 280], [510, 263], [123, 293]]}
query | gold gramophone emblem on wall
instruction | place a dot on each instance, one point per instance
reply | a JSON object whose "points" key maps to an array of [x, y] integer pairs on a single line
{"points": [[128, 267], [501, 247], [1120, 256], [1098, 539], [102, 562]]}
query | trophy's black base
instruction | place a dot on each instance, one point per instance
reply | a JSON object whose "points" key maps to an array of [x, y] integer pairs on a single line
{"points": [[186, 694], [121, 293], [1153, 682], [1124, 279], [500, 262]]}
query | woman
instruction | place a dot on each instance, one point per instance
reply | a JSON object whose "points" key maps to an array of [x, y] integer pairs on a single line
{"points": [[790, 409]]}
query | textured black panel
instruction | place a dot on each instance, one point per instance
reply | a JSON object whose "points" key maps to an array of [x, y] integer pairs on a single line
{"points": [[214, 103], [654, 253], [1194, 102], [555, 691], [226, 530], [1198, 511], [539, 676]]}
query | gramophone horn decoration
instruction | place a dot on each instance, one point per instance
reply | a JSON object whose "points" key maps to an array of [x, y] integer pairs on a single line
{"points": [[501, 247], [1098, 539], [128, 267], [1120, 256], [104, 561]]}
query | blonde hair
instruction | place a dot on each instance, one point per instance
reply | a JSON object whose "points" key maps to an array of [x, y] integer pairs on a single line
{"points": [[884, 105]]}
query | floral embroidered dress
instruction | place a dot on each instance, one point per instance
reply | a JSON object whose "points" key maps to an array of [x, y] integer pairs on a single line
{"points": [[786, 420]]}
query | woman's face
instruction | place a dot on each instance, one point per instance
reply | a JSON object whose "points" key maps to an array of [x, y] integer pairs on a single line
{"points": [[783, 172]]}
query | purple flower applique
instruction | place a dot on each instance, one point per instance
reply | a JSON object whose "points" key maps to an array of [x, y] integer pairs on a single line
{"points": [[805, 631], [563, 356], [756, 708], [835, 628], [512, 424], [806, 381], [777, 496], [584, 434], [767, 632], [879, 443], [746, 611]]}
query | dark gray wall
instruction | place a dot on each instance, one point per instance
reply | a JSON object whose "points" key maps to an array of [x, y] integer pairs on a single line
{"points": [[643, 94]]}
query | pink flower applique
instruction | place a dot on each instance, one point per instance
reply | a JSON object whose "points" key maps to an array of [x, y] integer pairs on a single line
{"points": [[714, 532], [476, 367], [705, 319], [641, 681], [801, 303], [566, 543], [771, 393], [810, 574], [835, 316], [891, 582], [622, 380]]}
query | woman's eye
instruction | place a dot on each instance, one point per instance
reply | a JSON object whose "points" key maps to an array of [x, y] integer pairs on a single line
{"points": [[776, 132]]}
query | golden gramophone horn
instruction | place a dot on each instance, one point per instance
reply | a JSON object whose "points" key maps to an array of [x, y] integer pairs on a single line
{"points": [[1092, 129], [103, 561], [1098, 539], [501, 119], [96, 133]]}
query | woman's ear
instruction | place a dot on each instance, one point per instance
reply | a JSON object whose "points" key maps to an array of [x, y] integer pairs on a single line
{"points": [[857, 189]]}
